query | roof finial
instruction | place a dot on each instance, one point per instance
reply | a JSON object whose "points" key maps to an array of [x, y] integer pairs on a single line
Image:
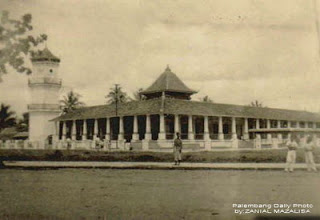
{"points": [[168, 68]]}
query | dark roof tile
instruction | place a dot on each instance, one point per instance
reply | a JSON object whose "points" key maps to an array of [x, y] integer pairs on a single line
{"points": [[185, 107], [45, 55], [124, 109], [168, 81], [216, 109]]}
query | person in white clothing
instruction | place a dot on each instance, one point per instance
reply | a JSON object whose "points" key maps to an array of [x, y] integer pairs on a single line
{"points": [[308, 153], [292, 146]]}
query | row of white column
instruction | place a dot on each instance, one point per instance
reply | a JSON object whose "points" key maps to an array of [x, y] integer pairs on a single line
{"points": [[279, 135], [162, 133]]}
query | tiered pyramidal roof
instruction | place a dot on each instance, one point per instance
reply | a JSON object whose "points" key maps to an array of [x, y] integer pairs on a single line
{"points": [[169, 83], [45, 55]]}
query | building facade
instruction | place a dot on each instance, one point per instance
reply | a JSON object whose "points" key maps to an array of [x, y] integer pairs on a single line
{"points": [[150, 124]]}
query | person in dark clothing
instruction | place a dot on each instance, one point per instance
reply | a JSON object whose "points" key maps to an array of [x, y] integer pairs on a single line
{"points": [[177, 149]]}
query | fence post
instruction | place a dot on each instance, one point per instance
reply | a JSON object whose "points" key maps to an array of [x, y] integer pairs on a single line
{"points": [[207, 144], [257, 142], [7, 144], [235, 144], [275, 143]]}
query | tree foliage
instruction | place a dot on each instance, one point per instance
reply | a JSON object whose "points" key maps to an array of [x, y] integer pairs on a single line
{"points": [[137, 96], [71, 102], [256, 103], [15, 42], [116, 94], [206, 99], [23, 123], [7, 117]]}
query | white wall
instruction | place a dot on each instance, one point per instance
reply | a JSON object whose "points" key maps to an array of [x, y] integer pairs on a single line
{"points": [[40, 126], [45, 69], [44, 94]]}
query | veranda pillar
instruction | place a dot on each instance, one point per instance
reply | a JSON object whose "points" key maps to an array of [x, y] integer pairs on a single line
{"points": [[220, 129], [290, 132], [121, 129], [190, 128], [314, 124], [279, 135], [314, 132], [233, 128], [74, 130], [107, 137], [135, 135], [269, 137], [298, 124], [206, 128], [162, 133], [176, 125], [257, 140], [64, 130], [207, 142], [257, 123], [84, 133], [246, 130], [147, 135], [95, 131], [56, 130]]}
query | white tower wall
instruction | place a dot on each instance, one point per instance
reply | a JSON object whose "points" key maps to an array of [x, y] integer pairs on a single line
{"points": [[44, 87], [40, 126]]}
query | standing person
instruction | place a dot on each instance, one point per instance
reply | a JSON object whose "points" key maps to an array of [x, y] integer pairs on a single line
{"points": [[109, 145], [308, 153], [99, 144], [291, 155], [69, 143], [177, 149]]}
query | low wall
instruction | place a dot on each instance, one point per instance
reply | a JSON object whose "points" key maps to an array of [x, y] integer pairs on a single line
{"points": [[159, 145]]}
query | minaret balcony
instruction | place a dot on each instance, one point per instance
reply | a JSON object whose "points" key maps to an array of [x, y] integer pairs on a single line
{"points": [[44, 80], [44, 107]]}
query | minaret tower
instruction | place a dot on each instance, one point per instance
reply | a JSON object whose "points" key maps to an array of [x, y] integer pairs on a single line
{"points": [[44, 87]]}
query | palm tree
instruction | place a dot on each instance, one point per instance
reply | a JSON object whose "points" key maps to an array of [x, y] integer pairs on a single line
{"points": [[117, 95], [138, 96], [256, 103], [71, 102], [206, 99], [23, 123], [7, 118]]}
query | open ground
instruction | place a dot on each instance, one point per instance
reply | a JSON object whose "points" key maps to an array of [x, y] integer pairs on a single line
{"points": [[148, 194]]}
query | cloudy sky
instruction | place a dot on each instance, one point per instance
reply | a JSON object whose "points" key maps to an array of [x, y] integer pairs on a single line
{"points": [[233, 51]]}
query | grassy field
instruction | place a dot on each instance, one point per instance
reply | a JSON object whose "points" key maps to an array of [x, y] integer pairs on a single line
{"points": [[248, 156]]}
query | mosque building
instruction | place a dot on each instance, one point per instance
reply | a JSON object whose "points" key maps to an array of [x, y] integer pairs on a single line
{"points": [[151, 123]]}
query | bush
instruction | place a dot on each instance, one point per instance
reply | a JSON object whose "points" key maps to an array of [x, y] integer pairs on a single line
{"points": [[248, 156], [56, 155]]}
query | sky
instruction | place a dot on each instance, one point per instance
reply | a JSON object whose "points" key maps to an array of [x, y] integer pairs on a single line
{"points": [[233, 51]]}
